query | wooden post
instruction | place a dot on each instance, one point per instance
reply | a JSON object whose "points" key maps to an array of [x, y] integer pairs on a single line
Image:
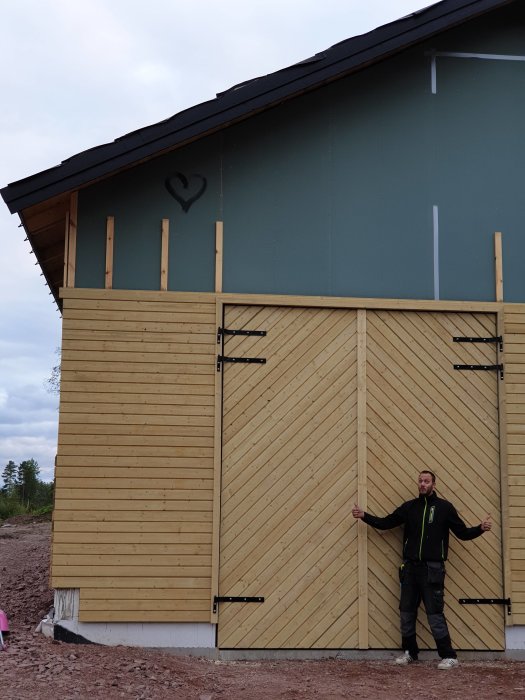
{"points": [[165, 234], [110, 235], [66, 251], [498, 256], [217, 473], [218, 428], [504, 471], [72, 239], [362, 535], [219, 228]]}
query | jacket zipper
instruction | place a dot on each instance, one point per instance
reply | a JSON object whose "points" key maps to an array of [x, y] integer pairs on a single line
{"points": [[422, 529]]}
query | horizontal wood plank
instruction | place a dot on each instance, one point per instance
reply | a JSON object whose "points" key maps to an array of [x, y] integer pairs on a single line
{"points": [[143, 616], [129, 473], [105, 594], [136, 440], [153, 581], [143, 495], [148, 605], [135, 295], [170, 521], [144, 484], [132, 451], [178, 564], [72, 537], [128, 504], [96, 571]]}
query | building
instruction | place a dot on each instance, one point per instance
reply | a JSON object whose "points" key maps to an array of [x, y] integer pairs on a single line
{"points": [[276, 303]]}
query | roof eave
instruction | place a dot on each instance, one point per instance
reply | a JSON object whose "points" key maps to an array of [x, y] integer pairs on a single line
{"points": [[239, 104]]}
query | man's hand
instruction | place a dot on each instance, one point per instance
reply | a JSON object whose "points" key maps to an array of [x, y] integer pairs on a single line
{"points": [[357, 511], [486, 523]]}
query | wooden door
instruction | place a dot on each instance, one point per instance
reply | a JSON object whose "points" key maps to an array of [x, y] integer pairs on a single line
{"points": [[289, 472], [423, 414]]}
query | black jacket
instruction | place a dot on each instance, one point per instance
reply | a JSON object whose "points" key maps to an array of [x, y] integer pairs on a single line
{"points": [[427, 521]]}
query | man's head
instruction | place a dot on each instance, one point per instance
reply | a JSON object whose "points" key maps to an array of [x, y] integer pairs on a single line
{"points": [[426, 482]]}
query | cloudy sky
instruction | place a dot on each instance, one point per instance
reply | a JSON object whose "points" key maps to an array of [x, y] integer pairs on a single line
{"points": [[79, 73]]}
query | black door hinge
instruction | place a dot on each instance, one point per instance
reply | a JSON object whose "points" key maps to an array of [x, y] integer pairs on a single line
{"points": [[488, 601], [246, 360], [498, 368], [498, 339], [221, 332], [235, 599]]}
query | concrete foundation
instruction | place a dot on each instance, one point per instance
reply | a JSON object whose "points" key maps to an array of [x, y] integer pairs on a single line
{"points": [[199, 638], [515, 637], [184, 635]]}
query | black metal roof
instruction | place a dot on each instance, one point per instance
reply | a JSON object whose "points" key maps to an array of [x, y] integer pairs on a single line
{"points": [[242, 100]]}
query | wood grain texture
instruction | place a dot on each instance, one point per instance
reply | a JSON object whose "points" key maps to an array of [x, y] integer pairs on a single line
{"points": [[110, 239], [424, 415], [164, 253], [513, 327], [139, 462], [289, 472], [135, 472], [410, 410]]}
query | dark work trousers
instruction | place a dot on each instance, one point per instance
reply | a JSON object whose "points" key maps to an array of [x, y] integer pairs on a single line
{"points": [[424, 581]]}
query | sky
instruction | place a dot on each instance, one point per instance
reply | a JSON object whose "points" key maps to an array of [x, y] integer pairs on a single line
{"points": [[79, 73]]}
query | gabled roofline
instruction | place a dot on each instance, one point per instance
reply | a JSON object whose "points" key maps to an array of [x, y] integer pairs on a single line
{"points": [[242, 101]]}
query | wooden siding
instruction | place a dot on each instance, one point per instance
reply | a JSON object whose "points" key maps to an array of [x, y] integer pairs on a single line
{"points": [[134, 523], [289, 473], [134, 476], [514, 326]]}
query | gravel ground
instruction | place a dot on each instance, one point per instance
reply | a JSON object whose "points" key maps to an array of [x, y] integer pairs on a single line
{"points": [[36, 667]]}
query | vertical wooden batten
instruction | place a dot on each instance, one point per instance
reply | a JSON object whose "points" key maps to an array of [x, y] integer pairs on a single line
{"points": [[66, 251], [71, 244], [219, 236], [504, 471], [502, 410], [362, 535], [498, 262], [217, 471], [164, 248], [110, 236]]}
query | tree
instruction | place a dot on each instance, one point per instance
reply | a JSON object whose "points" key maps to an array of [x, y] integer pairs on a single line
{"points": [[44, 495], [23, 491], [27, 481], [9, 475], [52, 384]]}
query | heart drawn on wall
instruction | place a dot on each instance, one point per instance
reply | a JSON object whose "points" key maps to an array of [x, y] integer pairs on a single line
{"points": [[186, 190]]}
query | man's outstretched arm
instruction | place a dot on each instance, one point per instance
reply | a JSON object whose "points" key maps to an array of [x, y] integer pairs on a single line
{"points": [[463, 532], [393, 520]]}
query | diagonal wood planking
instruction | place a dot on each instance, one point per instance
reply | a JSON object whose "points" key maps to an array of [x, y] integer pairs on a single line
{"points": [[423, 414], [288, 430], [289, 471]]}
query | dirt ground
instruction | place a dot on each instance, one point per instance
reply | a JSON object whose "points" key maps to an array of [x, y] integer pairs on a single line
{"points": [[37, 667]]}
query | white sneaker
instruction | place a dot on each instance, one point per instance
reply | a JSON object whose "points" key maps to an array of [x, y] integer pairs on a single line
{"points": [[405, 659], [445, 664]]}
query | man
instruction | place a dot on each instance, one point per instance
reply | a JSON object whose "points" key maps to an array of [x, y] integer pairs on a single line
{"points": [[427, 521]]}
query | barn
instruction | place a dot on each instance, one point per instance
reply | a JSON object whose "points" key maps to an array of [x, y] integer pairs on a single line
{"points": [[279, 302]]}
